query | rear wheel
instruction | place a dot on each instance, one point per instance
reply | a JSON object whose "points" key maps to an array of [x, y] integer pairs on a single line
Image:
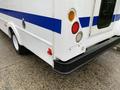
{"points": [[18, 48]]}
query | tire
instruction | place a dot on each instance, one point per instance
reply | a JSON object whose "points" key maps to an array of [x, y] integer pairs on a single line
{"points": [[18, 48]]}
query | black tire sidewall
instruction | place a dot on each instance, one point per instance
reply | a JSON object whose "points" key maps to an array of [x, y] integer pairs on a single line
{"points": [[18, 51], [21, 49]]}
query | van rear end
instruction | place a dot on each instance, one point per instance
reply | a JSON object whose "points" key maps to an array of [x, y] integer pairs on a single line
{"points": [[80, 38]]}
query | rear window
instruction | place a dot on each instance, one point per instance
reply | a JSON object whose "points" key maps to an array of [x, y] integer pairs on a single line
{"points": [[106, 13]]}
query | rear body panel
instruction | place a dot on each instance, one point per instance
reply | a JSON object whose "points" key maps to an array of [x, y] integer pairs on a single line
{"points": [[87, 14], [65, 44]]}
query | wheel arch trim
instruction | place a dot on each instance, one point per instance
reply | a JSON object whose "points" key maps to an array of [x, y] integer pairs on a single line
{"points": [[15, 31]]}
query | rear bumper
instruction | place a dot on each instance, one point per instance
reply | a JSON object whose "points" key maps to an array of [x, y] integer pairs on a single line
{"points": [[76, 62]]}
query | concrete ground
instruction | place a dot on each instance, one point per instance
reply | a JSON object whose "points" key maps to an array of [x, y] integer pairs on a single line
{"points": [[30, 73]]}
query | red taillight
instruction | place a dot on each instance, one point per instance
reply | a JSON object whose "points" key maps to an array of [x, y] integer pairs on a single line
{"points": [[49, 52], [75, 27]]}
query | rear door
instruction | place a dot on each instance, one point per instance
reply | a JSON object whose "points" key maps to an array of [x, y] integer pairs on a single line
{"points": [[103, 16]]}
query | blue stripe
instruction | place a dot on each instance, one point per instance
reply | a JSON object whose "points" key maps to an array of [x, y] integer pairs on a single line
{"points": [[95, 20], [42, 21], [113, 18], [84, 21], [50, 23], [116, 17]]}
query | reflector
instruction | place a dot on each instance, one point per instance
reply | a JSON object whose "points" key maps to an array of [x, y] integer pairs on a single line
{"points": [[71, 15], [49, 52], [75, 27], [79, 37]]}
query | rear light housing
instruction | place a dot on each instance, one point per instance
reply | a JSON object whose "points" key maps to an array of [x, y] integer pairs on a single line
{"points": [[79, 36], [75, 27], [49, 52], [71, 15]]}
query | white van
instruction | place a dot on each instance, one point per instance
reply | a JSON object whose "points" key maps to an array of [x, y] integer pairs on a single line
{"points": [[64, 33]]}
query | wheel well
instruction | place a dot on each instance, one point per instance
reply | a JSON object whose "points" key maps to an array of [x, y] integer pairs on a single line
{"points": [[10, 30]]}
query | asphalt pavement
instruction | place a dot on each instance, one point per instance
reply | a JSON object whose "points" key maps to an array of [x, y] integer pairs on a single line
{"points": [[31, 73]]}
